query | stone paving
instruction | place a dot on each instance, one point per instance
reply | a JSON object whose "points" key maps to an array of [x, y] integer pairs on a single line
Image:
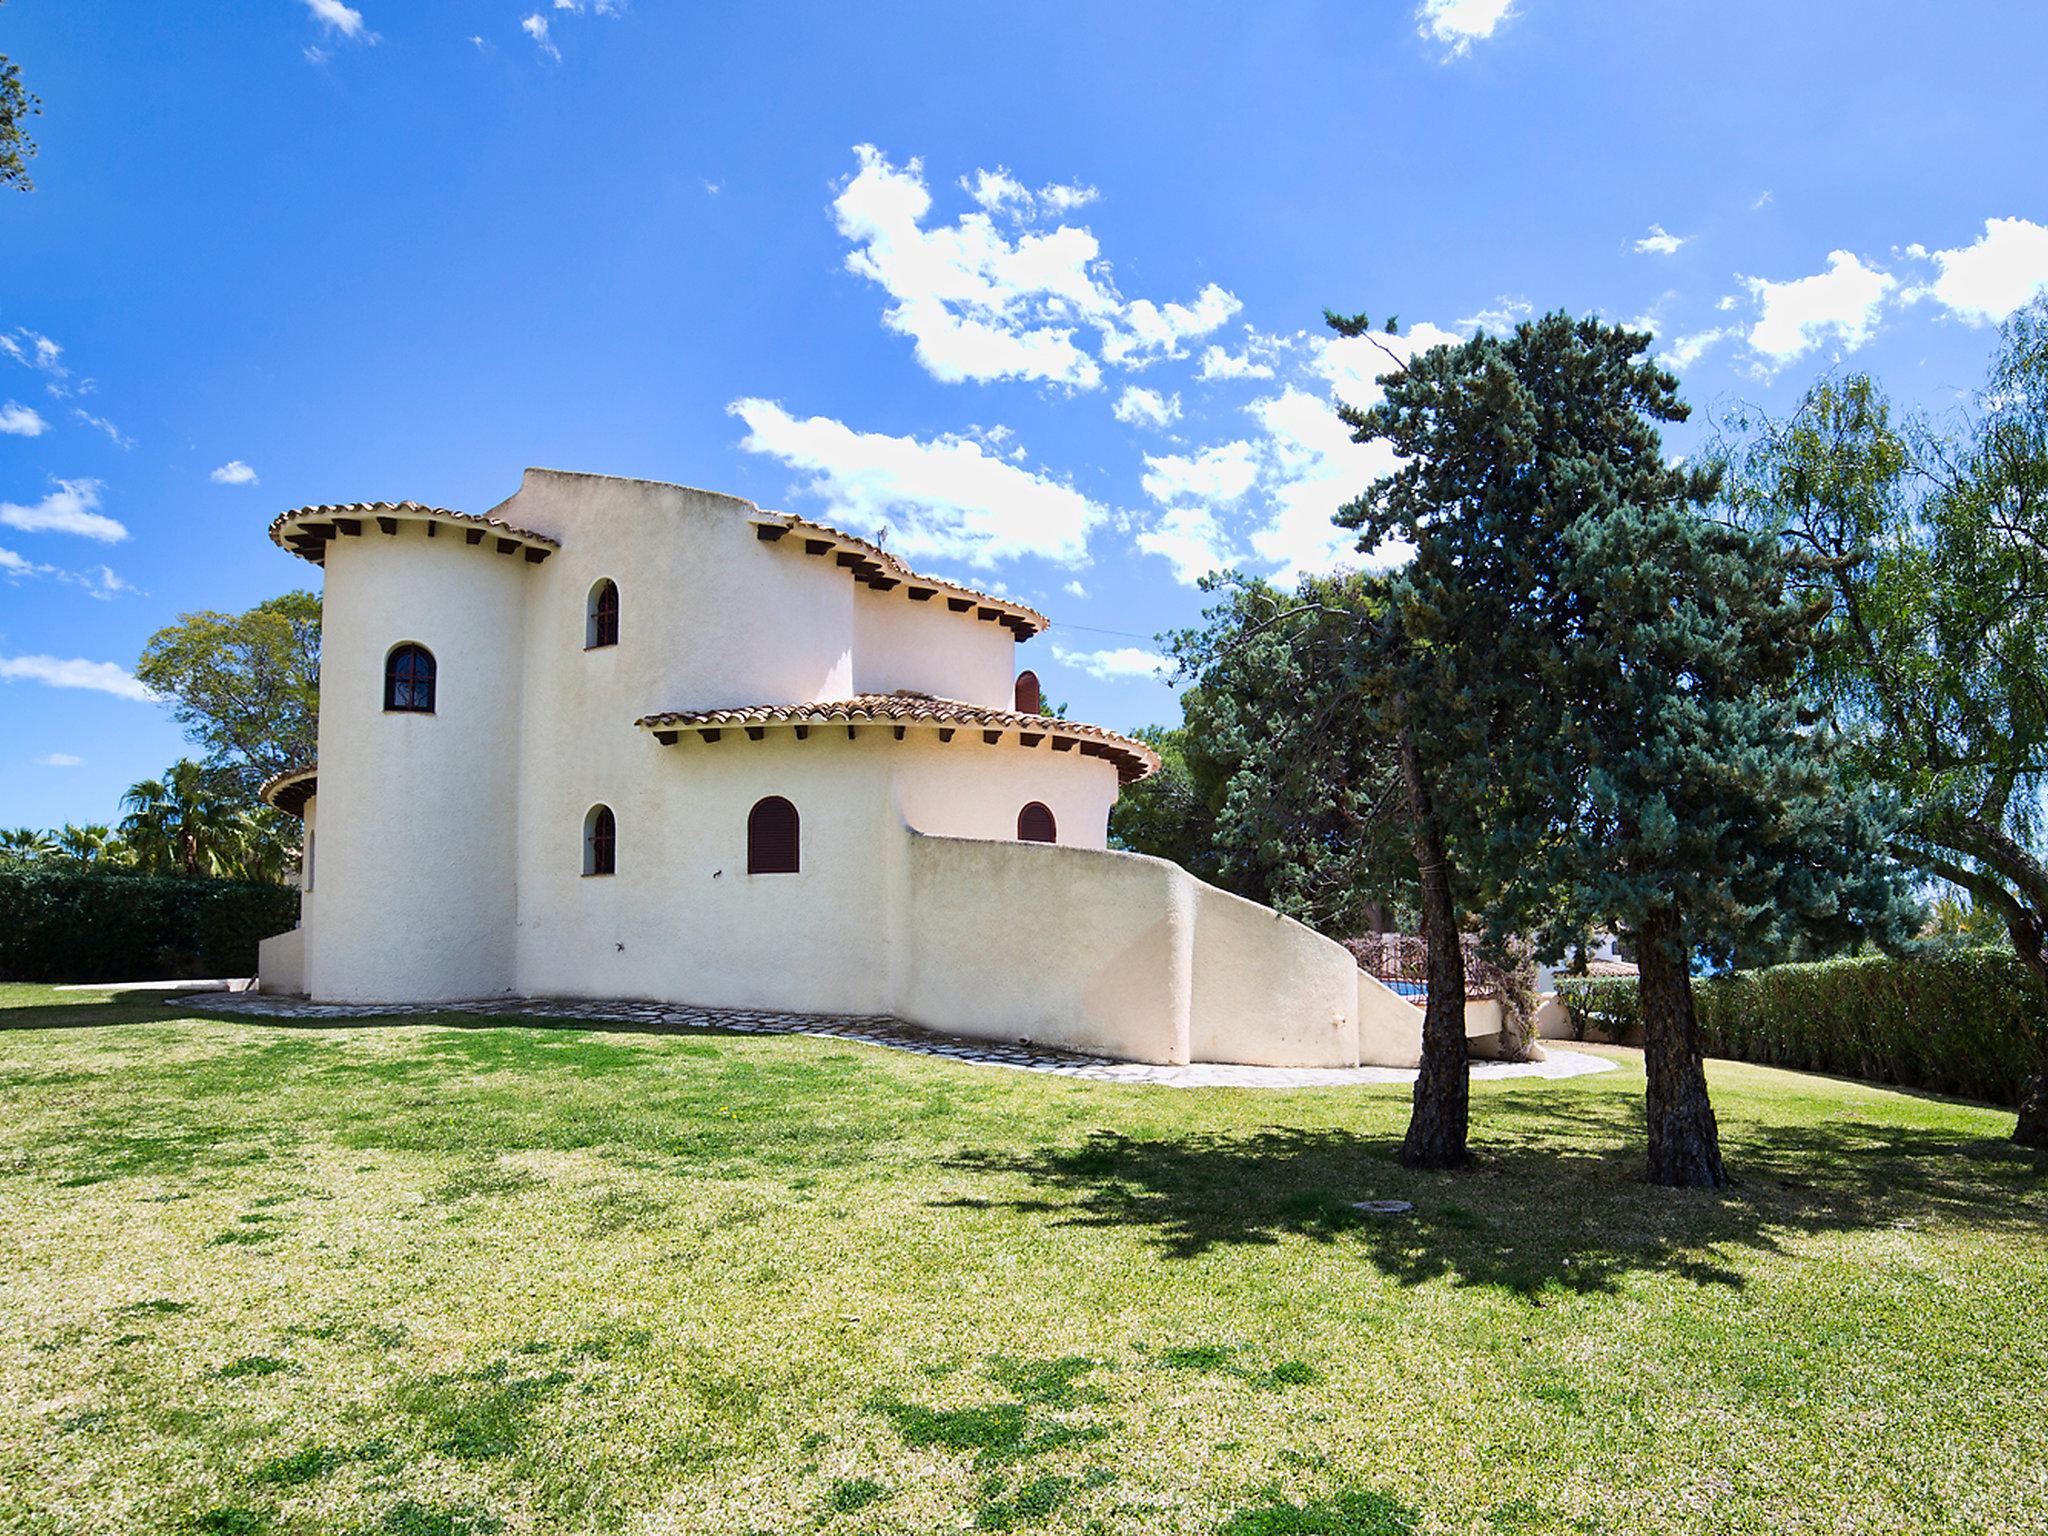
{"points": [[889, 1032]]}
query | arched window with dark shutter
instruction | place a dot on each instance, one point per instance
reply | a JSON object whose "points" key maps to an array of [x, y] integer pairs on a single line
{"points": [[772, 838], [1035, 825], [601, 615], [409, 680], [1028, 696], [600, 841]]}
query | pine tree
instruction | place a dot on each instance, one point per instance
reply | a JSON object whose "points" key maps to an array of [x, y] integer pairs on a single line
{"points": [[1613, 729]]}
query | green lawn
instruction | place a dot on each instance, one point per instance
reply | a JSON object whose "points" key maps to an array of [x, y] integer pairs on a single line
{"points": [[459, 1277]]}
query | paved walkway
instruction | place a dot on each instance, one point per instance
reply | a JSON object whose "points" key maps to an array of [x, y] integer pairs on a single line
{"points": [[902, 1037]]}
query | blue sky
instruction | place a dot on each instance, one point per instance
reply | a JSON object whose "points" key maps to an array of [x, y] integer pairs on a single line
{"points": [[1036, 288]]}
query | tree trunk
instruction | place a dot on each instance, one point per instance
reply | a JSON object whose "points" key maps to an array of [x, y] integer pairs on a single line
{"points": [[1685, 1144], [2028, 941], [1437, 1127]]}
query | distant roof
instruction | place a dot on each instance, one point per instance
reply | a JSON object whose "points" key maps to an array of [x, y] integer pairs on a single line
{"points": [[1133, 759], [305, 531], [290, 790]]}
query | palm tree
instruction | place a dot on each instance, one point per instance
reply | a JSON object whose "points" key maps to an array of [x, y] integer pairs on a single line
{"points": [[24, 845], [91, 847], [182, 823]]}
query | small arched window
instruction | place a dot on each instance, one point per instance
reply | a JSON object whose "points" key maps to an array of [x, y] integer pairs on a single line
{"points": [[1035, 825], [600, 842], [409, 679], [1028, 696], [772, 837], [601, 615]]}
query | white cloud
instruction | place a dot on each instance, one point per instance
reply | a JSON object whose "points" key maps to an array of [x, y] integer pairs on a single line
{"points": [[1074, 589], [101, 583], [234, 472], [1796, 316], [1191, 539], [998, 191], [1352, 365], [1216, 476], [1457, 24], [948, 497], [1660, 243], [1146, 407], [1505, 313], [71, 508], [1984, 282], [1155, 331], [535, 26], [993, 296], [21, 421], [115, 435], [1687, 350], [59, 672], [1219, 364], [336, 17], [58, 760], [34, 350], [1110, 665], [1310, 468]]}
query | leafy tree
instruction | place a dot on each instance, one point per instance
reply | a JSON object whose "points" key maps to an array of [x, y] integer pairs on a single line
{"points": [[1612, 735], [245, 686], [1926, 550], [1292, 780], [17, 105], [1172, 814]]}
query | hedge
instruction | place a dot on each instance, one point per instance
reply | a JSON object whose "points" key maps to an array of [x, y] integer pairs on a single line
{"points": [[1968, 1022], [108, 927]]}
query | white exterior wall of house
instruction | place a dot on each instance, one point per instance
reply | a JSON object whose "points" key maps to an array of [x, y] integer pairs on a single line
{"points": [[450, 845], [416, 874]]}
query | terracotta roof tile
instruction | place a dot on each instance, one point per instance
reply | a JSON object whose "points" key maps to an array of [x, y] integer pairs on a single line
{"points": [[304, 531], [1024, 619], [1134, 760]]}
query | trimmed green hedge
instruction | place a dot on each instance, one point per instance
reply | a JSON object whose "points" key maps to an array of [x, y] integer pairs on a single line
{"points": [[107, 927], [1968, 1022]]}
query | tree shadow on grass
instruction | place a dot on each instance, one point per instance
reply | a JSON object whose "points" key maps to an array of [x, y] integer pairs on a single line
{"points": [[1556, 1200]]}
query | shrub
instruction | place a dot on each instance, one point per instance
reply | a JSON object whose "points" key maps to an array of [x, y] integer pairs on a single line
{"points": [[1969, 1022], [62, 926], [1600, 1007]]}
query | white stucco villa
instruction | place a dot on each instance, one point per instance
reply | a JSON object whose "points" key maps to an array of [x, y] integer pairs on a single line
{"points": [[620, 739]]}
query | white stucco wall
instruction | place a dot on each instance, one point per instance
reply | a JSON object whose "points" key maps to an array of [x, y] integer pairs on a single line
{"points": [[969, 788], [1079, 948], [1389, 1026], [1268, 990], [927, 648], [281, 962], [415, 872]]}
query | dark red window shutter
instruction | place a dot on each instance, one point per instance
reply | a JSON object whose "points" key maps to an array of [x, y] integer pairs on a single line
{"points": [[604, 615], [409, 680], [1035, 825], [1028, 696], [604, 842], [772, 838]]}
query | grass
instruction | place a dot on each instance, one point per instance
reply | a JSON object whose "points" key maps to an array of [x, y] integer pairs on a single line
{"points": [[464, 1276]]}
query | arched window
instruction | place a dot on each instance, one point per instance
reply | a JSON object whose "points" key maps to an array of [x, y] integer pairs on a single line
{"points": [[601, 615], [772, 837], [1028, 696], [1035, 825], [600, 842], [409, 679]]}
